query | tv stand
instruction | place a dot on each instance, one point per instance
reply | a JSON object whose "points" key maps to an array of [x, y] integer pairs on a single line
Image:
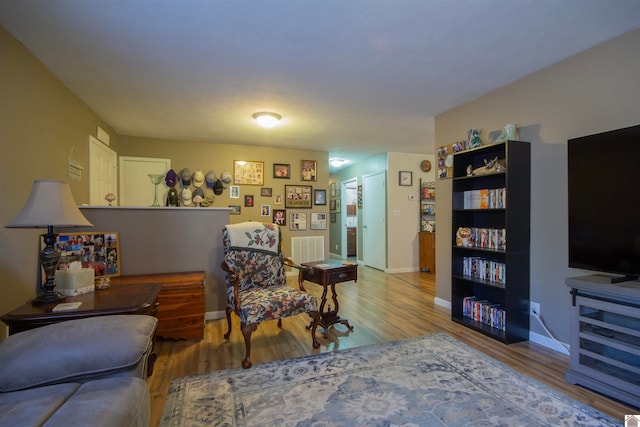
{"points": [[618, 279], [605, 341]]}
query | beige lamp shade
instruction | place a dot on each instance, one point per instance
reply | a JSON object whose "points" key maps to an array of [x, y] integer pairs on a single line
{"points": [[50, 204]]}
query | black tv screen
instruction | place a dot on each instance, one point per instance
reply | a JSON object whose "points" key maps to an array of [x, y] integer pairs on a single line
{"points": [[604, 201]]}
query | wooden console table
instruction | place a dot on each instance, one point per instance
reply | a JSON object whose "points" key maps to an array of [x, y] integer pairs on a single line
{"points": [[181, 302], [114, 300], [327, 273]]}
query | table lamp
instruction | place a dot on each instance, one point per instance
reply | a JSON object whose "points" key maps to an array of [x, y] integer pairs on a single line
{"points": [[50, 204]]}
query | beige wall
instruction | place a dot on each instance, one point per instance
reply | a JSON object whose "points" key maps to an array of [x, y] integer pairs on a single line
{"points": [[219, 157], [592, 92], [41, 121]]}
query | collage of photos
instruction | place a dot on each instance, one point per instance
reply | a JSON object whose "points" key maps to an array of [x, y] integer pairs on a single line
{"points": [[99, 251]]}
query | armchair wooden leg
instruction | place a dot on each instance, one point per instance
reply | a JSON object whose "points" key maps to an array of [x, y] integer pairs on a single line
{"points": [[228, 334], [315, 315], [280, 323], [247, 330]]}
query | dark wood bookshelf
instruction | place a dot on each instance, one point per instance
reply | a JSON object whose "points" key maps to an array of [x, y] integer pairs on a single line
{"points": [[514, 217]]}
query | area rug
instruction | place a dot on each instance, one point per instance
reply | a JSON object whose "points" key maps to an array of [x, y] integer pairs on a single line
{"points": [[433, 380]]}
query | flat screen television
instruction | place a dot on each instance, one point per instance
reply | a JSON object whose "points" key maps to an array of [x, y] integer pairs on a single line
{"points": [[604, 202]]}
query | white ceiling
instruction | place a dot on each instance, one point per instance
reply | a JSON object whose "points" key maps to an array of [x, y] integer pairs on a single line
{"points": [[352, 77]]}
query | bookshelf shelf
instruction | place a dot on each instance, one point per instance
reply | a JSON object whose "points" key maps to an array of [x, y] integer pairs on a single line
{"points": [[492, 208]]}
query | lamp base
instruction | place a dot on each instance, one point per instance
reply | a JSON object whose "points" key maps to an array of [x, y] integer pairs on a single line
{"points": [[48, 298]]}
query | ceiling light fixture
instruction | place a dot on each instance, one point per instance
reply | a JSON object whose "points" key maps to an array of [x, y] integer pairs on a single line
{"points": [[267, 119], [336, 163]]}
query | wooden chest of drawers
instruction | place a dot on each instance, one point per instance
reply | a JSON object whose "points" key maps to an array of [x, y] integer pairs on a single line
{"points": [[181, 306]]}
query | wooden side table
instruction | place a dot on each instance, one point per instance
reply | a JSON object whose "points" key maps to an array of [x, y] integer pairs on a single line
{"points": [[117, 299], [327, 273]]}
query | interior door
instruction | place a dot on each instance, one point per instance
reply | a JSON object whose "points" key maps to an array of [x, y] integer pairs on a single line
{"points": [[103, 172], [136, 188], [374, 220]]}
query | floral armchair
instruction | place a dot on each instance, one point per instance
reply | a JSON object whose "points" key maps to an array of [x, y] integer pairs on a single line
{"points": [[257, 289]]}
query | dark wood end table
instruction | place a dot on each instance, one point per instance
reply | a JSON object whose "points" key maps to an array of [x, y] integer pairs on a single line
{"points": [[117, 299], [327, 273]]}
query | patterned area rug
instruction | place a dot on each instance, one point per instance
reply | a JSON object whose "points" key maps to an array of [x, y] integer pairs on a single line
{"points": [[433, 380]]}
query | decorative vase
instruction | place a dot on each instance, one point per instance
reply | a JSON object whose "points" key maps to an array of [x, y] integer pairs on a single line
{"points": [[155, 180]]}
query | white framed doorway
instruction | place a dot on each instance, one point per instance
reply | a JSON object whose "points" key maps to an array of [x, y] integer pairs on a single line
{"points": [[374, 220], [103, 172], [136, 188]]}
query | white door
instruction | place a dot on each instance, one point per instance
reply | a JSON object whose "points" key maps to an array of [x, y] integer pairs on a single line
{"points": [[136, 188], [103, 172], [374, 220]]}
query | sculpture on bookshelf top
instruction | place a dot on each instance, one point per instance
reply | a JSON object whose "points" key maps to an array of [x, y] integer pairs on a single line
{"points": [[490, 166], [509, 132], [473, 138]]}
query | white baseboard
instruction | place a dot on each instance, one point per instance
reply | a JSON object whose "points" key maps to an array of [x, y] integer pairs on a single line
{"points": [[215, 315], [547, 342], [442, 303], [402, 270]]}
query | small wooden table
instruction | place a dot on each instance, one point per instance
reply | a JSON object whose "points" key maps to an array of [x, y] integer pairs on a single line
{"points": [[117, 299], [327, 273]]}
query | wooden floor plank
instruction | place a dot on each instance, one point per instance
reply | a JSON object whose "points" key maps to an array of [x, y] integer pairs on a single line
{"points": [[381, 307]]}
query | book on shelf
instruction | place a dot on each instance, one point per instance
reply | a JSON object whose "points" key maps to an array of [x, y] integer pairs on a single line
{"points": [[495, 198]]}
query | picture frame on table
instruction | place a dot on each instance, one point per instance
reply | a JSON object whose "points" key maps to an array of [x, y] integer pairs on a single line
{"points": [[282, 170], [248, 172], [298, 196], [99, 250]]}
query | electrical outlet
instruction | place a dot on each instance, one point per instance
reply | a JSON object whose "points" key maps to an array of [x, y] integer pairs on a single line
{"points": [[534, 308]]}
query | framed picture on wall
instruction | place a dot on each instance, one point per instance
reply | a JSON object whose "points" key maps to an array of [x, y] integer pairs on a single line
{"points": [[248, 172], [235, 210], [280, 216], [318, 221], [308, 170], [298, 221], [297, 196], [319, 197], [405, 178], [281, 170]]}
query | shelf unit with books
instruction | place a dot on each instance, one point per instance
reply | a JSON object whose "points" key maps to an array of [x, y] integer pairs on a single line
{"points": [[427, 235], [490, 247]]}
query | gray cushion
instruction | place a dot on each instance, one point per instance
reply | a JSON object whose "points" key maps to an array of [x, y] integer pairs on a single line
{"points": [[34, 406], [106, 402], [76, 350]]}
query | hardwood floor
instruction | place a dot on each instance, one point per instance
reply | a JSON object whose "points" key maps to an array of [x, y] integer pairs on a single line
{"points": [[381, 307]]}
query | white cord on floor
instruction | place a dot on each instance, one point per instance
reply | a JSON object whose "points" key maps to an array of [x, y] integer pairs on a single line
{"points": [[541, 321]]}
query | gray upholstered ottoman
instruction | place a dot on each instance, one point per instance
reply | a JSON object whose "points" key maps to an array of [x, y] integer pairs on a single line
{"points": [[78, 373]]}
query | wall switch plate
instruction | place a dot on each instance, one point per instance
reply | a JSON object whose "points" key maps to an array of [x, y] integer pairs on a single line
{"points": [[534, 308]]}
